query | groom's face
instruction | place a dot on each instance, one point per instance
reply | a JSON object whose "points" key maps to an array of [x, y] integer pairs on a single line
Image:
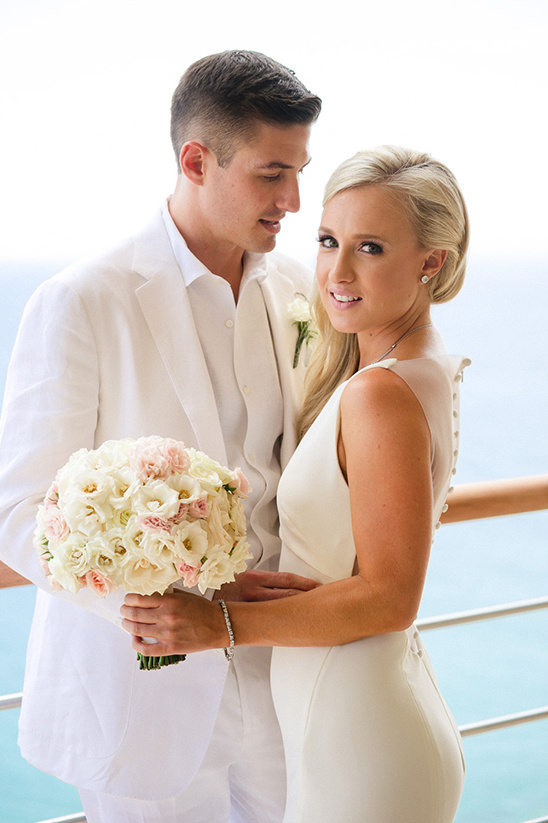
{"points": [[246, 200]]}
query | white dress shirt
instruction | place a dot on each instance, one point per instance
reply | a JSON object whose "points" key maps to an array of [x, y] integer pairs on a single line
{"points": [[237, 346]]}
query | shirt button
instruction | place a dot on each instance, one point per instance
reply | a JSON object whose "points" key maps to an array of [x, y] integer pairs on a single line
{"points": [[229, 323], [251, 457], [246, 390]]}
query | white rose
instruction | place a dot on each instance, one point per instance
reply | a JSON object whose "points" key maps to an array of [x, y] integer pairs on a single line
{"points": [[240, 555], [299, 311], [216, 528], [216, 571], [237, 517], [210, 474], [113, 454], [71, 561], [145, 577]]}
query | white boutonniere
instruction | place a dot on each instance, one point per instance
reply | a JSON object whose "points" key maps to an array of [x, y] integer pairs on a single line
{"points": [[299, 314]]}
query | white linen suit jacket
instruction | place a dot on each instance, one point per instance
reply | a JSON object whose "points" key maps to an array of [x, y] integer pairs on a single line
{"points": [[108, 349]]}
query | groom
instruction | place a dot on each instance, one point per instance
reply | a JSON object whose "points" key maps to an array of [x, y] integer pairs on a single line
{"points": [[182, 331]]}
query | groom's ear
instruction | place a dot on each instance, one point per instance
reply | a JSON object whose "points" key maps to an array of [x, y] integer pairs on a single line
{"points": [[192, 160], [433, 262]]}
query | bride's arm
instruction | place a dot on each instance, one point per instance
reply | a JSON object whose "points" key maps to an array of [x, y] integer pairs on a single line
{"points": [[385, 454]]}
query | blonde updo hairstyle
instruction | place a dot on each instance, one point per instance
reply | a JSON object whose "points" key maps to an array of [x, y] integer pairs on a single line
{"points": [[434, 205]]}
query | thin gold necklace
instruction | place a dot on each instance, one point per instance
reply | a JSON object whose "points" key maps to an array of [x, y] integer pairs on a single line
{"points": [[407, 333]]}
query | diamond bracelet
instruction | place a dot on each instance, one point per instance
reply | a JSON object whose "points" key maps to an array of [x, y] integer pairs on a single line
{"points": [[229, 653]]}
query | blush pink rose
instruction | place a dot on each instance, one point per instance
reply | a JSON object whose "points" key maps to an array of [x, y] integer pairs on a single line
{"points": [[52, 495], [242, 484], [156, 524], [98, 583], [54, 524], [188, 574], [181, 513], [44, 565], [154, 457], [147, 460], [199, 508], [176, 455]]}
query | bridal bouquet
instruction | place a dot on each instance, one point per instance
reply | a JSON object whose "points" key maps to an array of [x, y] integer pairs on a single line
{"points": [[141, 515]]}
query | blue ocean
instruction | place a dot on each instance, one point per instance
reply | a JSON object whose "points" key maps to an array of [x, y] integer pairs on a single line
{"points": [[486, 669]]}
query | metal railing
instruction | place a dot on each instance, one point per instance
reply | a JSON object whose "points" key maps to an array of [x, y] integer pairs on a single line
{"points": [[79, 818], [468, 502]]}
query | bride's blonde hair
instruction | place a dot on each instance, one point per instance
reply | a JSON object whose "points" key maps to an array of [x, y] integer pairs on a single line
{"points": [[437, 212]]}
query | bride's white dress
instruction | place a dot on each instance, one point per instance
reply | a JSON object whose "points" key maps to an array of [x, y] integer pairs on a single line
{"points": [[367, 735]]}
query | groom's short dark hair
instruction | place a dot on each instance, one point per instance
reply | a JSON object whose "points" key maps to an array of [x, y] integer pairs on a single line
{"points": [[221, 98]]}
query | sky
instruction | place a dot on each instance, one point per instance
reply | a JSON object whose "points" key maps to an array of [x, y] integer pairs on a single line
{"points": [[85, 90]]}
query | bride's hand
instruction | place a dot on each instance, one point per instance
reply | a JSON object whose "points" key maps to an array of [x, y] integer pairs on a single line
{"points": [[180, 623], [257, 585]]}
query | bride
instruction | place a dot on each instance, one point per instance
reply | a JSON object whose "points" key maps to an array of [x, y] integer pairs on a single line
{"points": [[367, 734]]}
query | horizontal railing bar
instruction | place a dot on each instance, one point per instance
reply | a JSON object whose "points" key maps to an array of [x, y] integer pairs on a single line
{"points": [[503, 722], [496, 498], [458, 618], [69, 818], [11, 701], [537, 820]]}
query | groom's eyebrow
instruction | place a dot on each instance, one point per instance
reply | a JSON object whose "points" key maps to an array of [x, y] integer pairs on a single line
{"points": [[277, 164]]}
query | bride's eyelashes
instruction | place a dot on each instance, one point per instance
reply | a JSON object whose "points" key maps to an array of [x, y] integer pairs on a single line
{"points": [[327, 241], [370, 247]]}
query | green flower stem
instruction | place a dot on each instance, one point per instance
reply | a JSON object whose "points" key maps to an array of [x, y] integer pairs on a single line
{"points": [[151, 663], [303, 334]]}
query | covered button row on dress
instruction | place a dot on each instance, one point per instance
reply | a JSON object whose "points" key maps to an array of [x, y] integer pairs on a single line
{"points": [[458, 379]]}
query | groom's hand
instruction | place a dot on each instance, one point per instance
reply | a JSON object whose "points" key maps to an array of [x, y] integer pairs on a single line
{"points": [[260, 585]]}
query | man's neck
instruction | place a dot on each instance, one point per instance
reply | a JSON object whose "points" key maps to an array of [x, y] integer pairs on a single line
{"points": [[225, 261]]}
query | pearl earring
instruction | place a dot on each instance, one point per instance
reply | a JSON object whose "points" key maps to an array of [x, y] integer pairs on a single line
{"points": [[424, 279]]}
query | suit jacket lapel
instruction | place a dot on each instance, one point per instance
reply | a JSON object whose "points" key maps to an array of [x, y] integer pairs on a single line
{"points": [[278, 294], [166, 308]]}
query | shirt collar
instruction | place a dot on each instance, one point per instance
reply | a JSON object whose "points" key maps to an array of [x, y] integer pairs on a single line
{"points": [[192, 268]]}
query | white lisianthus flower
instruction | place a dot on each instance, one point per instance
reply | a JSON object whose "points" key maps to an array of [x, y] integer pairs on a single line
{"points": [[108, 555], [123, 483], [84, 498], [156, 497], [187, 488], [191, 541]]}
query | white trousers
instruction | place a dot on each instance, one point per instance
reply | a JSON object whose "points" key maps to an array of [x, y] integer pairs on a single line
{"points": [[242, 776]]}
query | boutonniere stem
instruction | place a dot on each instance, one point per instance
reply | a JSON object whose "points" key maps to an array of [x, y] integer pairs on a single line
{"points": [[299, 314]]}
